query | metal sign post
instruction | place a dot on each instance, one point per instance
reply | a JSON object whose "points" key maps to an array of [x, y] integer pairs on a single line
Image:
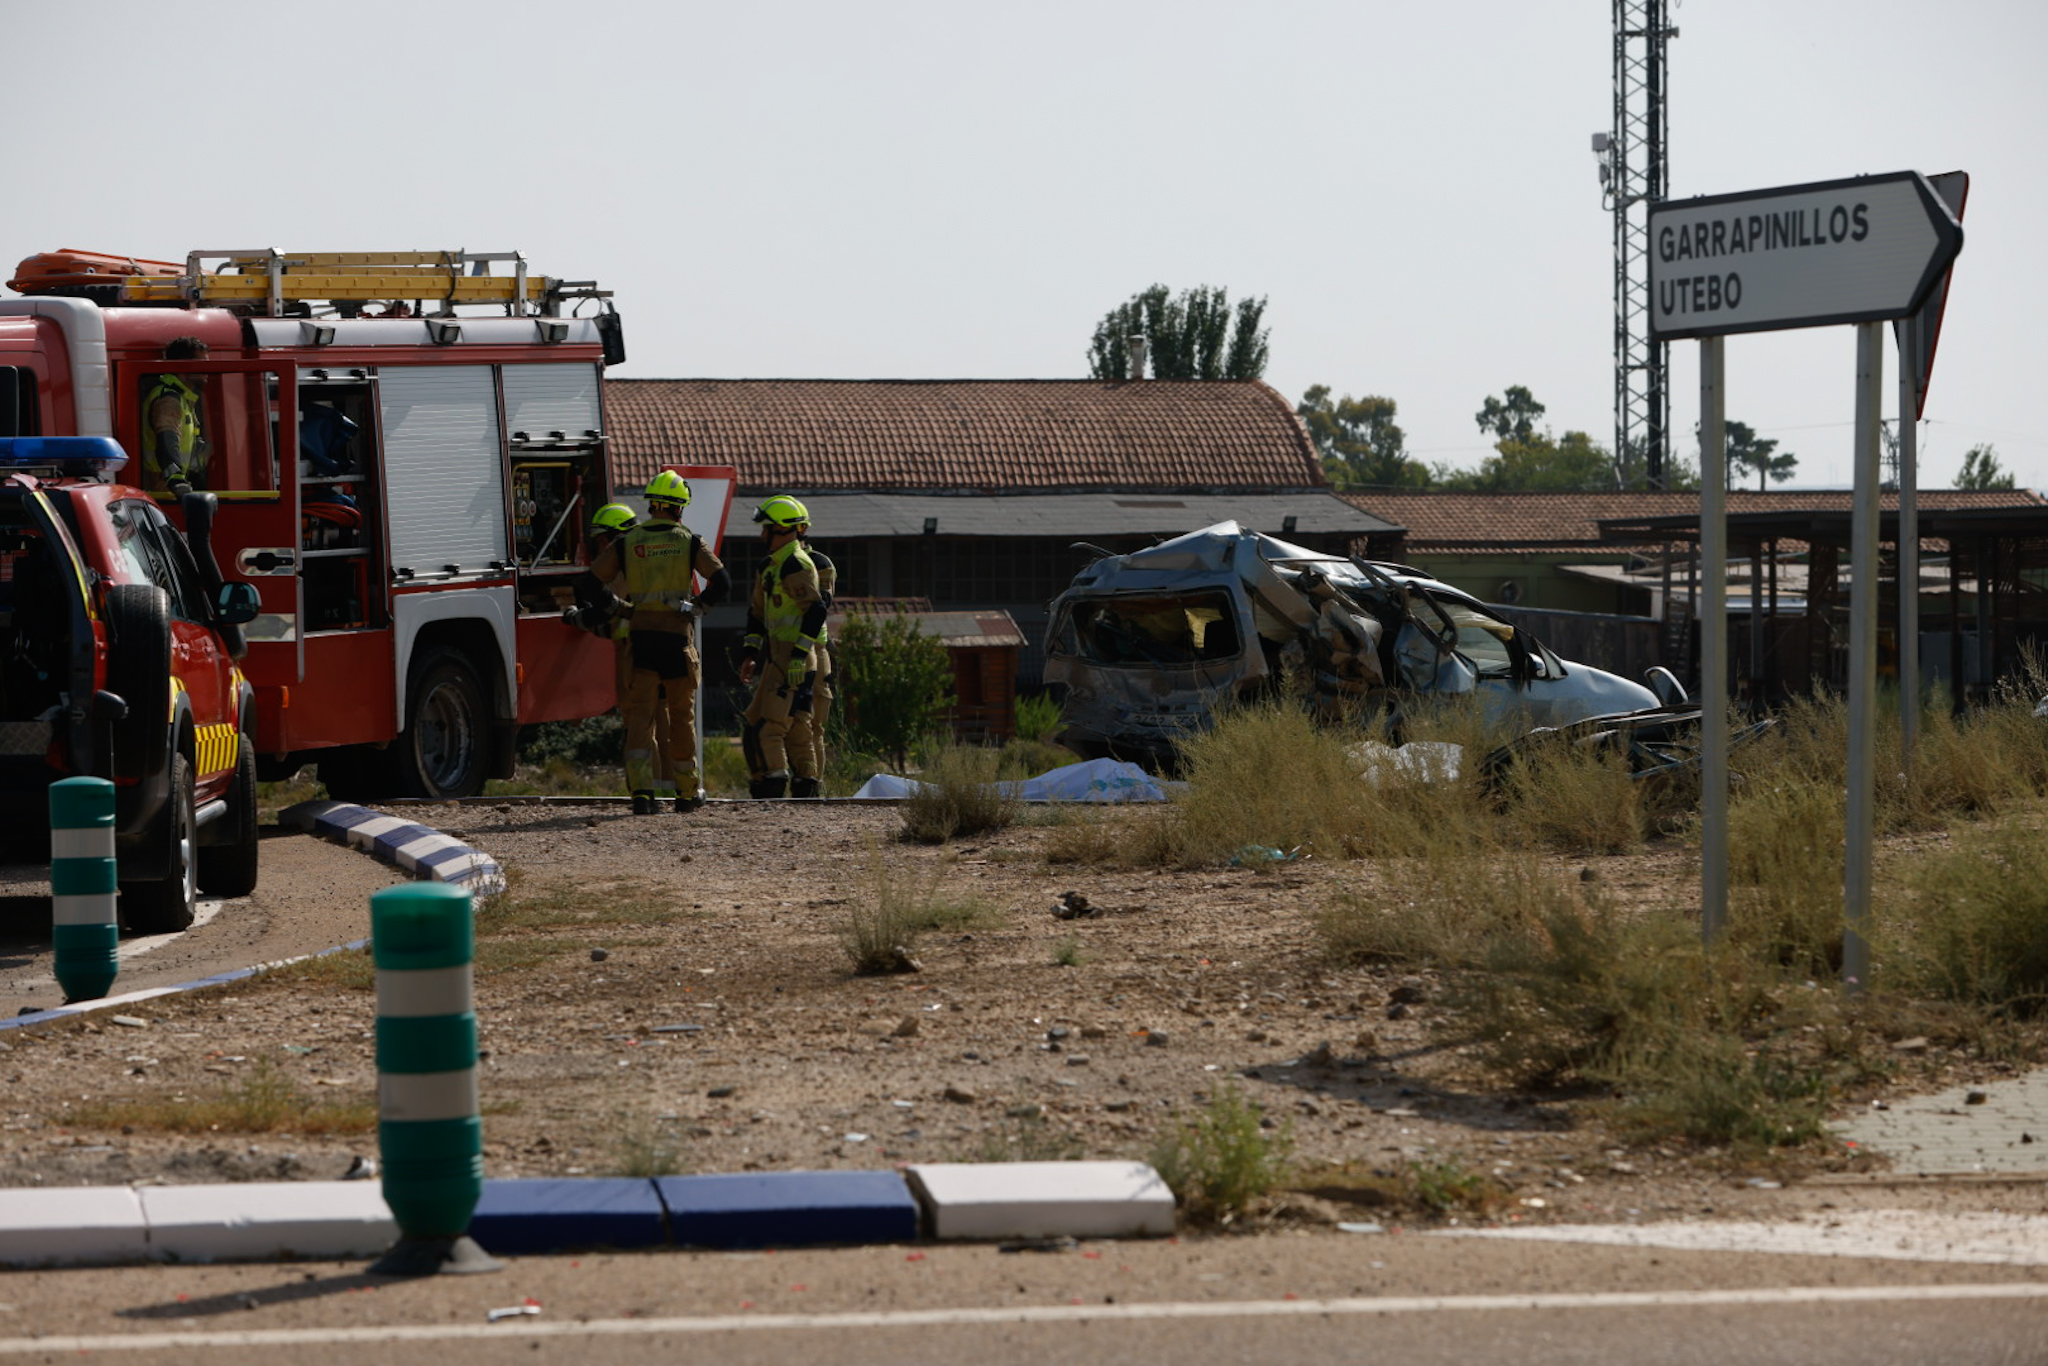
{"points": [[1861, 251], [1713, 624], [1863, 657]]}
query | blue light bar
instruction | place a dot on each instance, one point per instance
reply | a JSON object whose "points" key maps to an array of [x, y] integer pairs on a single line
{"points": [[81, 457]]}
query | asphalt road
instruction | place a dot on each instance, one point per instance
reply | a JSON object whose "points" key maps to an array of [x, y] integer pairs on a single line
{"points": [[310, 895], [1415, 1300]]}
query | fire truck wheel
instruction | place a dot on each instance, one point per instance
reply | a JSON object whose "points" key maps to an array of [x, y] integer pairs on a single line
{"points": [[139, 669], [228, 868], [445, 748], [162, 905]]}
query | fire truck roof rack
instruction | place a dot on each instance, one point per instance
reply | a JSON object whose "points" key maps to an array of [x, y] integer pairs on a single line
{"points": [[265, 281]]}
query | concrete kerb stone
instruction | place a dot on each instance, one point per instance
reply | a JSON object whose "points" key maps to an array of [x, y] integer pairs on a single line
{"points": [[420, 850]]}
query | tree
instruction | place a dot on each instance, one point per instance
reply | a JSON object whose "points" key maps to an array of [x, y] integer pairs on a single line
{"points": [[1748, 451], [1632, 469], [1980, 470], [1360, 444], [897, 681], [1511, 419], [1526, 460], [1537, 463], [1195, 335]]}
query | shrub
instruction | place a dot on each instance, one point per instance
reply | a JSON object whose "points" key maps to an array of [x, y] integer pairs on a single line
{"points": [[958, 794], [596, 741], [884, 924], [1977, 931], [1038, 718], [894, 684], [1223, 1158]]}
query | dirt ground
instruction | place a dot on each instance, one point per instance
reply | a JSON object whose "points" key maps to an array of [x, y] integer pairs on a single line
{"points": [[678, 997]]}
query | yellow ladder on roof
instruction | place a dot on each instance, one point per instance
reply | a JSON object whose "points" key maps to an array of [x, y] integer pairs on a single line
{"points": [[272, 278]]}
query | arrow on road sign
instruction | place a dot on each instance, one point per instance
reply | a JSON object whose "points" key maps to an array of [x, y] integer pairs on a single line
{"points": [[1954, 189], [1840, 251]]}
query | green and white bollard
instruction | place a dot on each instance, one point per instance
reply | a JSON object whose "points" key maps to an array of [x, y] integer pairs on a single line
{"points": [[83, 878], [428, 1129]]}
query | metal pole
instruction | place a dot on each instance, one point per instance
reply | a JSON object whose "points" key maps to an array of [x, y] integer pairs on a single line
{"points": [[1863, 657], [1713, 626], [1909, 543]]}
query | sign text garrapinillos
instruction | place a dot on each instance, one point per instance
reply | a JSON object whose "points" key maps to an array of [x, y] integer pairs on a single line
{"points": [[1840, 251]]}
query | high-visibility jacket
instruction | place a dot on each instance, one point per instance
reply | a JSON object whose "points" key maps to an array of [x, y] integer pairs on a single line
{"points": [[656, 560], [191, 455], [787, 612]]}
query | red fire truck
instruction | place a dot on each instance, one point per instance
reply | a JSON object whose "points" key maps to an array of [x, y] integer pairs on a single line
{"points": [[405, 449]]}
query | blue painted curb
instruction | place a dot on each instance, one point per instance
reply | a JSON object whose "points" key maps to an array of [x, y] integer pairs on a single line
{"points": [[550, 1214], [788, 1209]]}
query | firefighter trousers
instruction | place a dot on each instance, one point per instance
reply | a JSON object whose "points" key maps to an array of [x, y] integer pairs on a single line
{"points": [[821, 711], [649, 702], [777, 740], [664, 766]]}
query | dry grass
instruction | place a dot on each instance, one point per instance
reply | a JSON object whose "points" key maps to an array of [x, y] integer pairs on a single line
{"points": [[265, 1102], [958, 795]]}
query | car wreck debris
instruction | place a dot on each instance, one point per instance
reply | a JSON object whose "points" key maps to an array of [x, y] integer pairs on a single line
{"points": [[1151, 643]]}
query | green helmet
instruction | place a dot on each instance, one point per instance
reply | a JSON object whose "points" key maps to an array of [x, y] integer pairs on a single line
{"points": [[783, 513], [669, 487], [613, 517]]}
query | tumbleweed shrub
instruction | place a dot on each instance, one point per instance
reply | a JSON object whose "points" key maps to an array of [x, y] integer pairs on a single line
{"points": [[1222, 1158], [1573, 798], [1975, 928], [1114, 835], [1453, 907], [1265, 775], [1691, 1038], [1785, 833], [1981, 763], [957, 795]]}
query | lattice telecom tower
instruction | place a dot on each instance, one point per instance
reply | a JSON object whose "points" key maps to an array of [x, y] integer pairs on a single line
{"points": [[1633, 177]]}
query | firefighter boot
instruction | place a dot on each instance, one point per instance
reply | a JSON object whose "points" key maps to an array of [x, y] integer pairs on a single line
{"points": [[687, 803], [803, 787], [644, 804], [772, 787]]}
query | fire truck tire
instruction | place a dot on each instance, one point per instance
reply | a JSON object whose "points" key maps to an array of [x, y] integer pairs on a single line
{"points": [[163, 905], [139, 669], [228, 867], [444, 750]]}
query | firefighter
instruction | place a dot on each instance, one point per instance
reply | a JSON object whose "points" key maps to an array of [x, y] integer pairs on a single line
{"points": [[600, 611], [827, 672], [785, 623], [174, 446], [657, 558]]}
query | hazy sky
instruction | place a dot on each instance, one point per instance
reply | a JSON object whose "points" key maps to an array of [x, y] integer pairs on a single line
{"points": [[900, 189]]}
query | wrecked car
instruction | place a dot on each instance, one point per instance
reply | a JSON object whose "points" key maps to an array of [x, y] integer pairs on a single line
{"points": [[1150, 643]]}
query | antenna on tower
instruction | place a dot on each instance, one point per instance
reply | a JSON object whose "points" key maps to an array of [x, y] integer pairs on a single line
{"points": [[1633, 177]]}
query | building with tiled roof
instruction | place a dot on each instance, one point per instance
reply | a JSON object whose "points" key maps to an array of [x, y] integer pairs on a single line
{"points": [[965, 436], [973, 494]]}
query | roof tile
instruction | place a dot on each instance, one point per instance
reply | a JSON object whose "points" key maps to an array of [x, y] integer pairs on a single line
{"points": [[989, 435]]}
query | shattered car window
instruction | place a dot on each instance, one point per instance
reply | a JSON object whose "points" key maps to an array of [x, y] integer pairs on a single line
{"points": [[1483, 640], [1170, 631]]}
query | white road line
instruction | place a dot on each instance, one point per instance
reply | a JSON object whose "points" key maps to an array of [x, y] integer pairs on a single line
{"points": [[527, 1328], [1900, 1235]]}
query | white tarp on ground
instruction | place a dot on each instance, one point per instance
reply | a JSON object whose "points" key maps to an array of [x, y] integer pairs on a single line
{"points": [[1097, 780]]}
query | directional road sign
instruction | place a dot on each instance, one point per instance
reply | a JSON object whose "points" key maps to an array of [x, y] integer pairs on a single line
{"points": [[1841, 251], [1954, 189]]}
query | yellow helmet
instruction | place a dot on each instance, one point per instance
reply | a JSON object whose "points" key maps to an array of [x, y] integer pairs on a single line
{"points": [[613, 517], [783, 513], [668, 487]]}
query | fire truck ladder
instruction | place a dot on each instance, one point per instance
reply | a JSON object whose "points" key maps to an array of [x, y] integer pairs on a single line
{"points": [[266, 280]]}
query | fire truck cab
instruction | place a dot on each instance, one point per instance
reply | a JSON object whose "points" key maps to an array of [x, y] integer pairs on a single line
{"points": [[404, 449]]}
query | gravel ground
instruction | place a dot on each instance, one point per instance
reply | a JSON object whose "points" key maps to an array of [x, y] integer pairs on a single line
{"points": [[675, 994]]}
